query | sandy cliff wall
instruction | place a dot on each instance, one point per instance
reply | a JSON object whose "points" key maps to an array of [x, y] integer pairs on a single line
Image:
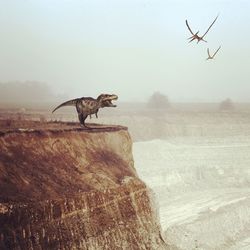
{"points": [[73, 189]]}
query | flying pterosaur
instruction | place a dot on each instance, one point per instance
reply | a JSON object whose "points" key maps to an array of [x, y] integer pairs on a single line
{"points": [[212, 57], [196, 36]]}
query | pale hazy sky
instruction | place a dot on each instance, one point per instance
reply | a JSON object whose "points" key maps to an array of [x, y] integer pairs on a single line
{"points": [[128, 47]]}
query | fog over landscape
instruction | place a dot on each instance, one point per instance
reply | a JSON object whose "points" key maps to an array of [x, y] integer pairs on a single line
{"points": [[191, 147], [130, 48]]}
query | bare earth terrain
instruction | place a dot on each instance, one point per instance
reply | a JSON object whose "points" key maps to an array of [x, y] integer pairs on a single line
{"points": [[196, 161], [29, 125], [203, 189]]}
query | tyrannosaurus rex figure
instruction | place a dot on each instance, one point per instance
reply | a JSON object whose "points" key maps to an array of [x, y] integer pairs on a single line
{"points": [[87, 105]]}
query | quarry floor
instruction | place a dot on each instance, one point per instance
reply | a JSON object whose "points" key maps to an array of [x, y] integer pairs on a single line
{"points": [[202, 185]]}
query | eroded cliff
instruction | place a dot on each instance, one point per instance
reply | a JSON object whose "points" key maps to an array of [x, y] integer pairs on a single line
{"points": [[67, 188]]}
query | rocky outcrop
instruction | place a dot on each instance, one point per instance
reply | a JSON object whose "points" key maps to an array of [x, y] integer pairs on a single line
{"points": [[69, 188]]}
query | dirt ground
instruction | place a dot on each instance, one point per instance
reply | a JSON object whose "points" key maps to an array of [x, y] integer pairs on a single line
{"points": [[9, 125]]}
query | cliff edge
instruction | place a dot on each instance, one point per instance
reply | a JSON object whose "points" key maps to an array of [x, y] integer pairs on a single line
{"points": [[63, 187]]}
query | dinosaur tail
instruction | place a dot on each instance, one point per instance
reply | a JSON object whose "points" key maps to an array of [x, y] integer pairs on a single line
{"points": [[68, 103]]}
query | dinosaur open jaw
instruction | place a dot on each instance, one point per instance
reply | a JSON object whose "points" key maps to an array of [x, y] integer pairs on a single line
{"points": [[108, 101], [110, 104]]}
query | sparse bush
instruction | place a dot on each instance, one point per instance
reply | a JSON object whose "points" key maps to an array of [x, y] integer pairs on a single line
{"points": [[158, 101], [226, 105]]}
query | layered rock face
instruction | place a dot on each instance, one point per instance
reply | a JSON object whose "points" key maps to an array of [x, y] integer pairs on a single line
{"points": [[68, 188]]}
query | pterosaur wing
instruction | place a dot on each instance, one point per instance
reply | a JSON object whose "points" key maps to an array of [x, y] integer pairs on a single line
{"points": [[208, 52], [210, 26], [189, 28], [216, 51]]}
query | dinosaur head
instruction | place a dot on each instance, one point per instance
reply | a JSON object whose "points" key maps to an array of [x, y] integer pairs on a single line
{"points": [[106, 100]]}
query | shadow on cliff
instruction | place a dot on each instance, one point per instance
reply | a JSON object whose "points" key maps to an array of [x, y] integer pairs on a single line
{"points": [[109, 164], [48, 164]]}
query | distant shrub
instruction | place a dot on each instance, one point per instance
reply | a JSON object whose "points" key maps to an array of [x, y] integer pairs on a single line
{"points": [[158, 101], [226, 105]]}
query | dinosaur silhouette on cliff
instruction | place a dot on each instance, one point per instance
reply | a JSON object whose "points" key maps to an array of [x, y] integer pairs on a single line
{"points": [[87, 105]]}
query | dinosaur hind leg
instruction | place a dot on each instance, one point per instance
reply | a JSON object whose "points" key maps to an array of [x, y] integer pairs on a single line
{"points": [[82, 119]]}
